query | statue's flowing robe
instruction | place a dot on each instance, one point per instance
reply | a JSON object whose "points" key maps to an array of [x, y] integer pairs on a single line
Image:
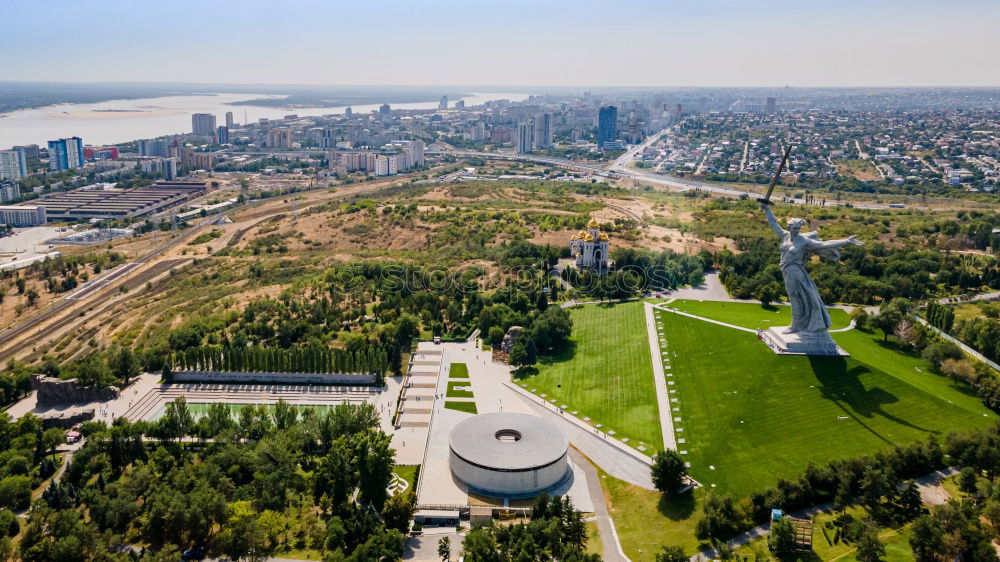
{"points": [[808, 311]]}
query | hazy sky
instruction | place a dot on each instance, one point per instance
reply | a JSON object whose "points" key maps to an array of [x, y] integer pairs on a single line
{"points": [[506, 42]]}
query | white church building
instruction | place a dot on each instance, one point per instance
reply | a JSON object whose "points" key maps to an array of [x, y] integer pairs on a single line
{"points": [[590, 248]]}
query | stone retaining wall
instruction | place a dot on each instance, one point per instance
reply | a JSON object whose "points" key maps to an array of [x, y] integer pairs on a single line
{"points": [[53, 391]]}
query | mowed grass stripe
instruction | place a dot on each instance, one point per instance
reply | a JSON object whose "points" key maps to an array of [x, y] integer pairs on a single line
{"points": [[758, 417], [605, 373]]}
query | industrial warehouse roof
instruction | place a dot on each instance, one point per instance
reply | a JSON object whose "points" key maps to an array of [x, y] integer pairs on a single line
{"points": [[508, 441]]}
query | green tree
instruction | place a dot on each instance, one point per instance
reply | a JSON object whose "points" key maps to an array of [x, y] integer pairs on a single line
{"points": [[398, 510], [668, 471], [927, 539], [284, 414], [909, 503], [766, 295], [870, 548], [93, 371], [51, 439], [15, 492], [781, 539], [124, 366], [672, 554], [519, 354], [444, 549]]}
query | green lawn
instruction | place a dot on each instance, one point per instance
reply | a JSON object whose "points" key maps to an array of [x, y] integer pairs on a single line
{"points": [[594, 543], [469, 407], [199, 409], [756, 417], [458, 371], [454, 392], [751, 316], [645, 523], [407, 472], [604, 373]]}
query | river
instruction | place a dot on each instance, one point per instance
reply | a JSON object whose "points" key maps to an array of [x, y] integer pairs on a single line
{"points": [[117, 121]]}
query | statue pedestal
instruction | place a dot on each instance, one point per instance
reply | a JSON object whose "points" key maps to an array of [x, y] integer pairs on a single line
{"points": [[801, 344]]}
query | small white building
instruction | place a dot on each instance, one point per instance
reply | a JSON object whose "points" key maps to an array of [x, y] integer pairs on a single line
{"points": [[590, 248]]}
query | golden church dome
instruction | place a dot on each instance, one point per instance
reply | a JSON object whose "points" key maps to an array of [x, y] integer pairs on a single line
{"points": [[593, 223]]}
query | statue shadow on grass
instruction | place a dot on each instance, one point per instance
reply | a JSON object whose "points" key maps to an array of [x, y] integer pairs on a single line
{"points": [[895, 347], [841, 384]]}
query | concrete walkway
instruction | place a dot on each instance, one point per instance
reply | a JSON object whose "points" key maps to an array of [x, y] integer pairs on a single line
{"points": [[710, 290], [613, 456], [605, 526], [660, 381], [689, 315]]}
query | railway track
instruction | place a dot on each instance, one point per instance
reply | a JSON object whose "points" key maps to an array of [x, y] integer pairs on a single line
{"points": [[79, 312]]}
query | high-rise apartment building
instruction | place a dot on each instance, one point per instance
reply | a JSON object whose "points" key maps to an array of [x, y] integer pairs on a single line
{"points": [[384, 109], [222, 135], [165, 166], [607, 125], [29, 150], [543, 130], [13, 165], [279, 137], [348, 113], [203, 124], [443, 104], [523, 137], [65, 154], [153, 147], [9, 191], [229, 119]]}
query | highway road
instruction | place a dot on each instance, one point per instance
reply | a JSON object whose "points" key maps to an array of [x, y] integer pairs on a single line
{"points": [[619, 170]]}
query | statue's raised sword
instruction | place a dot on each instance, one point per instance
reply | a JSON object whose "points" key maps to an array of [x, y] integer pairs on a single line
{"points": [[767, 197]]}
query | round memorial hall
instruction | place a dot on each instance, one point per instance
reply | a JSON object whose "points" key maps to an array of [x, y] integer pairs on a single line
{"points": [[509, 455]]}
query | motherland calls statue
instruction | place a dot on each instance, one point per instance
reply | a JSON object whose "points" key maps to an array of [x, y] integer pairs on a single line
{"points": [[809, 333]]}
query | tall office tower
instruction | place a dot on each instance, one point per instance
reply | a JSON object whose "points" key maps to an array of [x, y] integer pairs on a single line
{"points": [[229, 119], [522, 140], [607, 125], [65, 154], [772, 105], [222, 135], [543, 130], [460, 104], [12, 165], [384, 109], [443, 104], [348, 113], [203, 124]]}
